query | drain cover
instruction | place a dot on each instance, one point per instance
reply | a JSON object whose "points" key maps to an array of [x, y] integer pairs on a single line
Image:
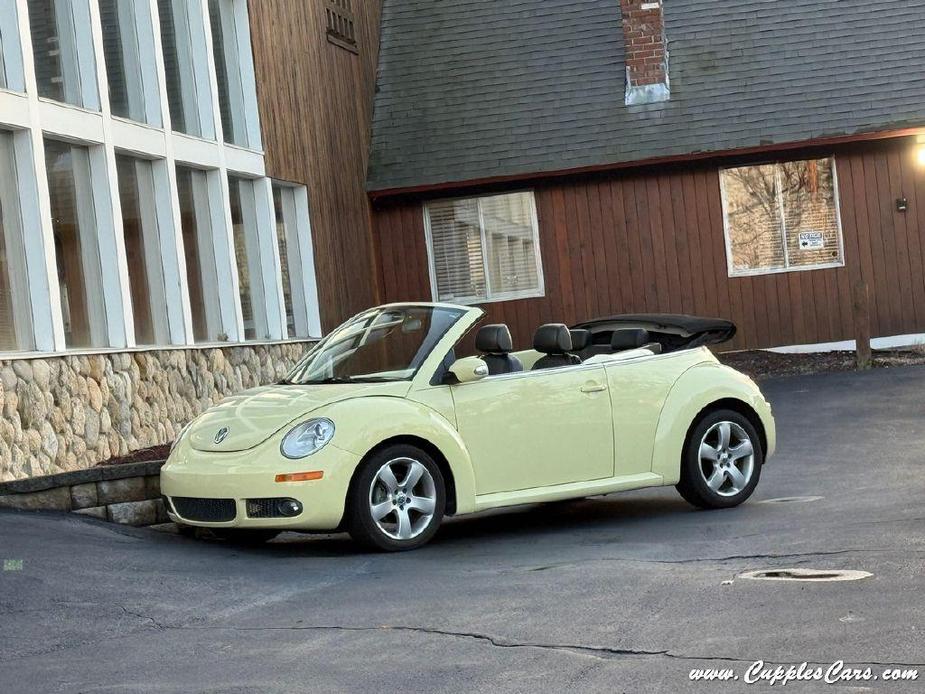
{"points": [[807, 575], [790, 500]]}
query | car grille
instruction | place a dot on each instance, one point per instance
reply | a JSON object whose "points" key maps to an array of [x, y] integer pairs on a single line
{"points": [[264, 508], [204, 510]]}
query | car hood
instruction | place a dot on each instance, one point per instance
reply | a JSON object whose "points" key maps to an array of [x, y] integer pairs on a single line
{"points": [[255, 415], [684, 331]]}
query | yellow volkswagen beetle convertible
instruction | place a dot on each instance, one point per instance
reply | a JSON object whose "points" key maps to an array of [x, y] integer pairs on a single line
{"points": [[381, 430]]}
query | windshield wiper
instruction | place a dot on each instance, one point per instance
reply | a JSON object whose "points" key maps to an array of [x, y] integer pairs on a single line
{"points": [[337, 380]]}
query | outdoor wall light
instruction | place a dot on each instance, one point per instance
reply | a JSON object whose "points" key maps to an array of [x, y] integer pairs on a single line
{"points": [[920, 154]]}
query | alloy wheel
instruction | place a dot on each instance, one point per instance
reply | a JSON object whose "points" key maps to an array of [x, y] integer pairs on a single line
{"points": [[727, 458], [402, 498]]}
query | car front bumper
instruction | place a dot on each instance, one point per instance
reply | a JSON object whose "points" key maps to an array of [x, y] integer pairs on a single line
{"points": [[252, 475]]}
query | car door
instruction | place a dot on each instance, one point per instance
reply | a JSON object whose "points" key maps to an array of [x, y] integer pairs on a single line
{"points": [[537, 428]]}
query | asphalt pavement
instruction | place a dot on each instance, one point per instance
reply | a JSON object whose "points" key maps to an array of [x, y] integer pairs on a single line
{"points": [[625, 593]]}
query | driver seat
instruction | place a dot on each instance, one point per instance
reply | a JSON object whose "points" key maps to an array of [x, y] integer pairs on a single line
{"points": [[494, 341]]}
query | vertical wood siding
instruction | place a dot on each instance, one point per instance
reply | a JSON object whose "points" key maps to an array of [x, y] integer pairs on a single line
{"points": [[315, 107], [653, 242]]}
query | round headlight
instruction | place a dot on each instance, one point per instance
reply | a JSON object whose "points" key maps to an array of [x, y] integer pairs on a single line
{"points": [[307, 438]]}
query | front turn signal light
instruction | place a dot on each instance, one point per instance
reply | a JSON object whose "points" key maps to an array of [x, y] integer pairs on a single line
{"points": [[301, 476]]}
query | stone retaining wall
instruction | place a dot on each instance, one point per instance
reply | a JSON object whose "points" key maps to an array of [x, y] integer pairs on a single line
{"points": [[67, 413], [127, 494]]}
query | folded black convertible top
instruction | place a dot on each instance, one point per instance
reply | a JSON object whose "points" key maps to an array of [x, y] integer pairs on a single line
{"points": [[687, 331]]}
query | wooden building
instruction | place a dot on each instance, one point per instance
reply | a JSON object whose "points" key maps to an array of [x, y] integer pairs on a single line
{"points": [[315, 65], [757, 170]]}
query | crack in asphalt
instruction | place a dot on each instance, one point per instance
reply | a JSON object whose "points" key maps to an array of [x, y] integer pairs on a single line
{"points": [[733, 557], [603, 652], [599, 652]]}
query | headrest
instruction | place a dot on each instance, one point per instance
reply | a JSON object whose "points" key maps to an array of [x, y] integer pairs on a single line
{"points": [[629, 339], [552, 338], [494, 339], [580, 339]]}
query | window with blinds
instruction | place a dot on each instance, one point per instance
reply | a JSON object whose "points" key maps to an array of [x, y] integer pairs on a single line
{"points": [[782, 217], [484, 249]]}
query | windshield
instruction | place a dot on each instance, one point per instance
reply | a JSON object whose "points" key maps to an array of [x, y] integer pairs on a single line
{"points": [[382, 344]]}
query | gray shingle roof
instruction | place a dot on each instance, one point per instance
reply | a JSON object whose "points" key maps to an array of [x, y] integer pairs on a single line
{"points": [[472, 89]]}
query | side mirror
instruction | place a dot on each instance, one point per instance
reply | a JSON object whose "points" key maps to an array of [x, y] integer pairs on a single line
{"points": [[469, 369]]}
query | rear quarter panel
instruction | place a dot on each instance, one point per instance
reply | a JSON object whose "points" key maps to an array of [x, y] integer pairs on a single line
{"points": [[697, 388], [639, 389]]}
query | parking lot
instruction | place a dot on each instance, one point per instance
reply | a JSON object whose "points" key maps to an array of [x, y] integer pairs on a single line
{"points": [[623, 593]]}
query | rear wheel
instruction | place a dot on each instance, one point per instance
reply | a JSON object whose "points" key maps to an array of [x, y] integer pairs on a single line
{"points": [[722, 461], [397, 499]]}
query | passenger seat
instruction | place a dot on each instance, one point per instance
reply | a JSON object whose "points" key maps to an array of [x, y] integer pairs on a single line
{"points": [[580, 341], [555, 341], [496, 344]]}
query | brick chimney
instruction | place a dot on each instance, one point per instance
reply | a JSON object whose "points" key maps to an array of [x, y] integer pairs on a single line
{"points": [[646, 51]]}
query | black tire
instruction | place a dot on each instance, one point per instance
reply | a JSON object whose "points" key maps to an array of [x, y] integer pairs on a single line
{"points": [[693, 485], [360, 523], [251, 537]]}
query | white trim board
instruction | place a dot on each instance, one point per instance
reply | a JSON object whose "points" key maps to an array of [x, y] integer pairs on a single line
{"points": [[849, 345]]}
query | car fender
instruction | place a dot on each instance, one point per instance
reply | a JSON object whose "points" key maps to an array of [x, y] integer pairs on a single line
{"points": [[364, 423], [697, 388]]}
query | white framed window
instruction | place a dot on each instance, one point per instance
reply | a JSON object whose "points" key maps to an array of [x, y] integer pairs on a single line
{"points": [[62, 47], [183, 41], [782, 217], [11, 73], [115, 230], [234, 72], [15, 322], [128, 47], [199, 249], [77, 252], [247, 251], [143, 244], [484, 249], [296, 260]]}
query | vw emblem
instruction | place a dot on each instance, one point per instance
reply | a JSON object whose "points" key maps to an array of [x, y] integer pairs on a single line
{"points": [[221, 435]]}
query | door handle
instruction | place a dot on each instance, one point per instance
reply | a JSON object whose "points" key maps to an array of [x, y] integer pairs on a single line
{"points": [[593, 388]]}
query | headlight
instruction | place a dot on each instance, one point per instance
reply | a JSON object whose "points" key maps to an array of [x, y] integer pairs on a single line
{"points": [[307, 438], [180, 436]]}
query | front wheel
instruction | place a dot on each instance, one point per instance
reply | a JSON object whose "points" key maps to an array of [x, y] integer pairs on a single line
{"points": [[721, 463], [397, 499]]}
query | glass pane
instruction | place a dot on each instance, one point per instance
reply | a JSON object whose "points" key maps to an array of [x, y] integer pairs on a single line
{"points": [[195, 260], [123, 62], [141, 246], [456, 241], [3, 30], [54, 44], [753, 222], [382, 344], [246, 254], [230, 97], [512, 251], [808, 189], [11, 76], [178, 66], [14, 298], [281, 230], [78, 264]]}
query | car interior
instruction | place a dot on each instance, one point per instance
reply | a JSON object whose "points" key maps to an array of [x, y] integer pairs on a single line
{"points": [[556, 346]]}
